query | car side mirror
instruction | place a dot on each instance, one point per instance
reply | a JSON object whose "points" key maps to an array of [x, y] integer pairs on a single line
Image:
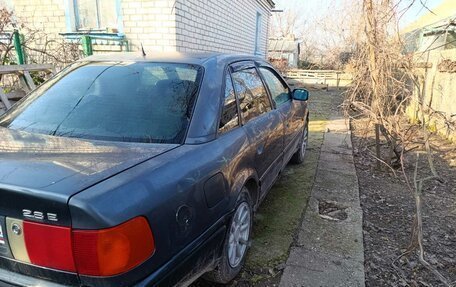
{"points": [[300, 94]]}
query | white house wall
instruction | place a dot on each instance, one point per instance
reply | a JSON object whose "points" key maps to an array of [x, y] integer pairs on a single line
{"points": [[163, 25], [150, 22], [221, 25]]}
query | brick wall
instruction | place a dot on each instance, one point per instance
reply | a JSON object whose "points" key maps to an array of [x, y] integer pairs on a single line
{"points": [[196, 25], [150, 22], [221, 26], [46, 15], [168, 25]]}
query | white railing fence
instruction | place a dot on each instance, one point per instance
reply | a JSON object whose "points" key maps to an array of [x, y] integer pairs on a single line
{"points": [[328, 78]]}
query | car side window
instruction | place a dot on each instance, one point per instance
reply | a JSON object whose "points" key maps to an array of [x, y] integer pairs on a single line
{"points": [[280, 93], [229, 118], [253, 99]]}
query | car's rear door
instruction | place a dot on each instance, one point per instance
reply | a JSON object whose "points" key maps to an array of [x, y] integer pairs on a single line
{"points": [[262, 123], [292, 112]]}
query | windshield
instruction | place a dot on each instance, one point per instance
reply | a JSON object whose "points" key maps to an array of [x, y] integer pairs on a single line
{"points": [[121, 101]]}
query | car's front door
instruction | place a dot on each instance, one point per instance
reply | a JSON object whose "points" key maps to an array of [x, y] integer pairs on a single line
{"points": [[262, 124], [292, 112]]}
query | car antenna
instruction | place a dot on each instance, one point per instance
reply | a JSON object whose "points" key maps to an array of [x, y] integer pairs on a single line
{"points": [[143, 52]]}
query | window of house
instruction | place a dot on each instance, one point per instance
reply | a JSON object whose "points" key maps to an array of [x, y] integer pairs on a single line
{"points": [[253, 99], [280, 92], [229, 118], [99, 15], [258, 34]]}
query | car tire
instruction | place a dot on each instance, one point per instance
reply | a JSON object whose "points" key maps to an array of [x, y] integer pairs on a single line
{"points": [[230, 264], [300, 154]]}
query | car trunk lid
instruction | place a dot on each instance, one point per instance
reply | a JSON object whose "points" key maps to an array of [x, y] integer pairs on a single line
{"points": [[39, 174]]}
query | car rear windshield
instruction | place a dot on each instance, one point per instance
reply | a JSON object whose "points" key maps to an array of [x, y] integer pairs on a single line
{"points": [[121, 101]]}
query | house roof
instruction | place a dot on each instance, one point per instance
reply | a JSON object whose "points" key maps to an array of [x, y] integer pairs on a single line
{"points": [[271, 3], [445, 10], [283, 45], [267, 4]]}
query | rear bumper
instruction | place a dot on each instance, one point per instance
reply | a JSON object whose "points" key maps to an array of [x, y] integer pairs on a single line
{"points": [[13, 279], [14, 273], [187, 265]]}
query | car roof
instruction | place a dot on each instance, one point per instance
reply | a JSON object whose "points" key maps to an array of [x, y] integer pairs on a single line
{"points": [[170, 57]]}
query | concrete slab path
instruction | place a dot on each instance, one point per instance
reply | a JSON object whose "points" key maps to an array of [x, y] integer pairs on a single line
{"points": [[329, 249]]}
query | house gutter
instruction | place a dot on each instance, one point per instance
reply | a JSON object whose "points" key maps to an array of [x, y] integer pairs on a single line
{"points": [[267, 4]]}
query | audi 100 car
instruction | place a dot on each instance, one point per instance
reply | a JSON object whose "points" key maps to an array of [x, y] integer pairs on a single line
{"points": [[129, 170]]}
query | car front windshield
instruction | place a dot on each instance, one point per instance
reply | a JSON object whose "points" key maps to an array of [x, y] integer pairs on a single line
{"points": [[112, 101]]}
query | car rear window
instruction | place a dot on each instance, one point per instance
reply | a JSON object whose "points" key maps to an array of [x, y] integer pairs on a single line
{"points": [[122, 101]]}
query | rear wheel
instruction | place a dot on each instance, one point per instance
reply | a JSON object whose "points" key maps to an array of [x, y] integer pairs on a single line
{"points": [[236, 242], [300, 154]]}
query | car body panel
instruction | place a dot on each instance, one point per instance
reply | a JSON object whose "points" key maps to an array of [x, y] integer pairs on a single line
{"points": [[40, 173], [103, 184], [265, 136], [296, 118], [185, 170], [66, 165]]}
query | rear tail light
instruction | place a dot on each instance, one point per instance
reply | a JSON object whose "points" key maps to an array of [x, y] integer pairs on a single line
{"points": [[105, 252], [115, 250], [49, 246]]}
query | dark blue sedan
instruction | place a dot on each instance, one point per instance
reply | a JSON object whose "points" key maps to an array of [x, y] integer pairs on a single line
{"points": [[125, 170]]}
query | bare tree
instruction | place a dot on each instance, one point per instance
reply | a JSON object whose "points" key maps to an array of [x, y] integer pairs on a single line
{"points": [[38, 46], [384, 82], [287, 23]]}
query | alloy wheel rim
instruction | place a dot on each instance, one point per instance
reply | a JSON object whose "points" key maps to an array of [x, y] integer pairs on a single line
{"points": [[239, 235]]}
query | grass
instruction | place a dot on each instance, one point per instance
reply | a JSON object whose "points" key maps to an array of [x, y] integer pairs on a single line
{"points": [[281, 212]]}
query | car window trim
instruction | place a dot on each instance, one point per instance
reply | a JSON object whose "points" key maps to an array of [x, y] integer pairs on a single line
{"points": [[231, 70], [245, 67], [241, 65], [280, 79], [271, 101], [276, 73], [227, 72]]}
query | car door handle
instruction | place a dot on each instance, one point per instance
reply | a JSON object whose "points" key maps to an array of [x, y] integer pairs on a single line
{"points": [[260, 149]]}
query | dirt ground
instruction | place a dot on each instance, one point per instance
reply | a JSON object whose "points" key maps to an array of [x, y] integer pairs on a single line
{"points": [[389, 208]]}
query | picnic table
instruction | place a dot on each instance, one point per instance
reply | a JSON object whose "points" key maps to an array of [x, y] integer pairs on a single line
{"points": [[25, 80]]}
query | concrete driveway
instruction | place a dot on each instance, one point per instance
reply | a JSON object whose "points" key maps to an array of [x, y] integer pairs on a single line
{"points": [[293, 244]]}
